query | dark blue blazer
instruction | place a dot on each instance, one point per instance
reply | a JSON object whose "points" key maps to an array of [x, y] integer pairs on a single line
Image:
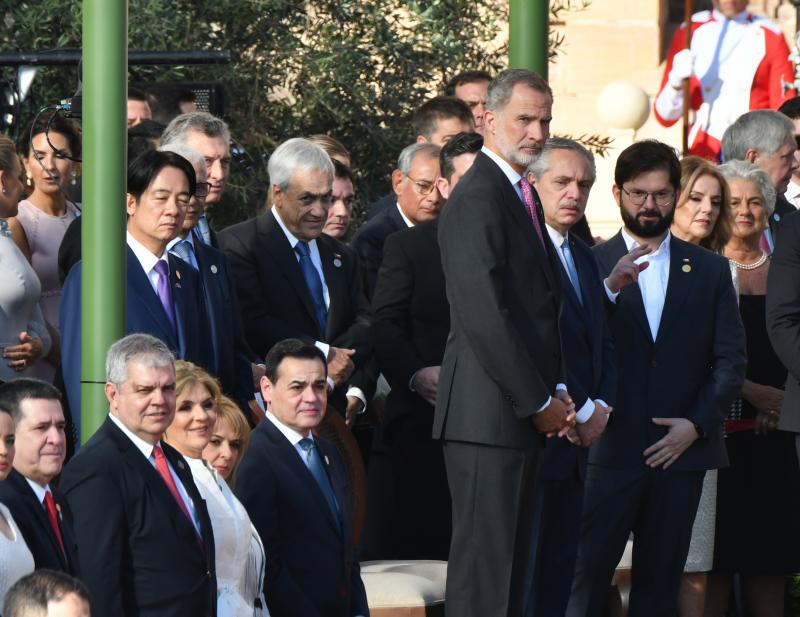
{"points": [[31, 518], [589, 352], [144, 313], [693, 369], [368, 243], [312, 566]]}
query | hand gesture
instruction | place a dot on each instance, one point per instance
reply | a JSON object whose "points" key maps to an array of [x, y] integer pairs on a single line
{"points": [[627, 270], [426, 383], [23, 355], [340, 364], [682, 68], [680, 435], [591, 430], [557, 418], [354, 407]]}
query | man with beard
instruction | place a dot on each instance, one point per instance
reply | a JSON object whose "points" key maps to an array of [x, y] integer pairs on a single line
{"points": [[680, 360]]}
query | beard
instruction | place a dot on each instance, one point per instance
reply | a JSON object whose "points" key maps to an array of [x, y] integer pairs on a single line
{"points": [[513, 154], [647, 229]]}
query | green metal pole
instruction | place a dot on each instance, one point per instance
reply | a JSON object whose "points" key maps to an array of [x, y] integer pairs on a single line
{"points": [[528, 22], [105, 70]]}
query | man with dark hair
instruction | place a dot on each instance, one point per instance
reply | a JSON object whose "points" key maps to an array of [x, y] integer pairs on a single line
{"points": [[145, 538], [408, 513], [293, 484], [342, 200], [138, 107], [791, 109], [681, 361], [471, 87], [501, 385], [47, 593], [43, 516]]}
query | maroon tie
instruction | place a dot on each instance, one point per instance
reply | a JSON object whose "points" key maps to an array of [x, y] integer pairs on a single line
{"points": [[530, 206], [50, 508]]}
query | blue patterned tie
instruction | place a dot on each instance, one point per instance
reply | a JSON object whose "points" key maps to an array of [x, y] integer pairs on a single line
{"points": [[4, 230], [315, 467], [183, 249], [204, 229], [314, 284], [572, 272]]}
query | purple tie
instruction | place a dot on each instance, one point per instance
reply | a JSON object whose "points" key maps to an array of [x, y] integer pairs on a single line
{"points": [[530, 206], [164, 290]]}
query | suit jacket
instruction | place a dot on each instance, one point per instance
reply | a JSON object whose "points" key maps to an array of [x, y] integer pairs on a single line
{"points": [[379, 206], [590, 356], [693, 369], [31, 518], [368, 243], [411, 320], [312, 567], [69, 252], [503, 355], [782, 209], [783, 315], [139, 553], [144, 313]]}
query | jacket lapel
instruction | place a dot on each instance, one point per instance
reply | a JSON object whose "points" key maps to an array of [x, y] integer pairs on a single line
{"points": [[177, 269], [22, 486], [142, 296], [336, 281], [681, 280]]}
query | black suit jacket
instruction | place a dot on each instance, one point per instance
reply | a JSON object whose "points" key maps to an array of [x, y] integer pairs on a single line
{"points": [[368, 243], [139, 553], [693, 369], [782, 209], [312, 567], [411, 319], [503, 355], [31, 518], [589, 352], [379, 206]]}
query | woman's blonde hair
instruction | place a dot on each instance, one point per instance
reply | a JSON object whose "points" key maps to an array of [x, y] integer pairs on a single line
{"points": [[229, 412], [692, 169], [187, 374]]}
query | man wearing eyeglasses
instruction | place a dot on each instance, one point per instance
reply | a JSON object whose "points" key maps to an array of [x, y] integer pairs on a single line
{"points": [[418, 200], [680, 359]]}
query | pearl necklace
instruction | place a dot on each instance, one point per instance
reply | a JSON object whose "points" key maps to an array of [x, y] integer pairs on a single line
{"points": [[756, 264]]}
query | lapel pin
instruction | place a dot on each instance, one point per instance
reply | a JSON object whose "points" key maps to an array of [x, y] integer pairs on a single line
{"points": [[178, 274], [777, 217], [327, 462], [213, 269], [180, 464], [178, 285], [337, 260], [58, 509], [686, 267]]}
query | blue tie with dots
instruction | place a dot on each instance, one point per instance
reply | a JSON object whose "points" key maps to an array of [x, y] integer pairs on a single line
{"points": [[314, 465], [314, 284]]}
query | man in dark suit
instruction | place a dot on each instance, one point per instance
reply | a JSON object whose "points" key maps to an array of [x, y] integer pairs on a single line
{"points": [[39, 509], [164, 294], [681, 360], [563, 176], [414, 184], [294, 487], [501, 381], [145, 539], [408, 509], [292, 280], [765, 138]]}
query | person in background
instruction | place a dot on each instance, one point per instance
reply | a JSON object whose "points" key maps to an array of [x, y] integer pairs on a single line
{"points": [[47, 593], [471, 87], [333, 147], [229, 441], [342, 200], [138, 107]]}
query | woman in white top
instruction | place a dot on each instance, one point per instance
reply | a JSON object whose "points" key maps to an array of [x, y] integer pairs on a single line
{"points": [[15, 559], [23, 334], [196, 398]]}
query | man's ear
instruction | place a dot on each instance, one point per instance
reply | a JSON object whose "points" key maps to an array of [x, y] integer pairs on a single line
{"points": [[531, 178], [751, 155], [266, 390], [277, 195], [443, 186], [130, 204], [397, 181], [421, 139], [617, 194]]}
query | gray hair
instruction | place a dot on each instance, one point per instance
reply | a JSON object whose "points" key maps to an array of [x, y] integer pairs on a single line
{"points": [[409, 153], [763, 130], [297, 153], [187, 152], [140, 348], [200, 121], [752, 173], [500, 88], [541, 165]]}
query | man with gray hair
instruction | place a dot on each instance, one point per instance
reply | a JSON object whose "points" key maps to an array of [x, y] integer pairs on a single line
{"points": [[144, 536], [418, 200], [292, 280], [211, 137], [765, 138]]}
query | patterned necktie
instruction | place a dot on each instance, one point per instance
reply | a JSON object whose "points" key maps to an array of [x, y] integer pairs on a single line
{"points": [[50, 508], [572, 272], [163, 470], [183, 249], [530, 206], [315, 467], [164, 290], [314, 284], [204, 229], [4, 230]]}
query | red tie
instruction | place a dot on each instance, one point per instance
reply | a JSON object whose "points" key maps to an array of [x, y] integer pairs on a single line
{"points": [[530, 206], [163, 470], [50, 508]]}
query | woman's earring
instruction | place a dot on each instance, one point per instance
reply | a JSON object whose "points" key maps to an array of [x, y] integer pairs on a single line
{"points": [[73, 178]]}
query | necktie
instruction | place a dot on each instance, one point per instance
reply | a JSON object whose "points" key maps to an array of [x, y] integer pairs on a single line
{"points": [[314, 283], [4, 230], [164, 290], [50, 508], [204, 229], [163, 470], [315, 467], [530, 206], [572, 272], [183, 249]]}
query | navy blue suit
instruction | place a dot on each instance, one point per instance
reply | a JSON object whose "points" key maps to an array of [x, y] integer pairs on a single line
{"points": [[368, 243], [144, 313], [312, 568], [591, 374]]}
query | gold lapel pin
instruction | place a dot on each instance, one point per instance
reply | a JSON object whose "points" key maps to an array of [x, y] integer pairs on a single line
{"points": [[178, 274], [686, 267]]}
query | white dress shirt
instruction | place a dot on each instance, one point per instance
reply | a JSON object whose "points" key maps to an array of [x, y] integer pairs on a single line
{"points": [[38, 490], [147, 260], [406, 220], [792, 193]]}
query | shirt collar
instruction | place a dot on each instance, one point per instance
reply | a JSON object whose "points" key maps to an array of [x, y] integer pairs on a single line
{"points": [[405, 218], [792, 191], [39, 490], [292, 435], [293, 240], [143, 446], [143, 254], [178, 239], [556, 236], [661, 251], [510, 172]]}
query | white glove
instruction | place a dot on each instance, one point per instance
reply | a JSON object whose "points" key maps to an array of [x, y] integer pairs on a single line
{"points": [[682, 68]]}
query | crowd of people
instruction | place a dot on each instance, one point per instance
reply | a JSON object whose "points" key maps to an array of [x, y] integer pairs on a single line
{"points": [[535, 406]]}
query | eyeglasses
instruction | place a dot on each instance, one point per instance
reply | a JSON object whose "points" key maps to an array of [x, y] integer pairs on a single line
{"points": [[662, 198], [422, 188], [201, 189]]}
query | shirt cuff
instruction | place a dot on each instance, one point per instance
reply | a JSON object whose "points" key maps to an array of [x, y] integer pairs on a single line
{"points": [[561, 386], [331, 384], [323, 347], [359, 394], [546, 403], [610, 294], [585, 412]]}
